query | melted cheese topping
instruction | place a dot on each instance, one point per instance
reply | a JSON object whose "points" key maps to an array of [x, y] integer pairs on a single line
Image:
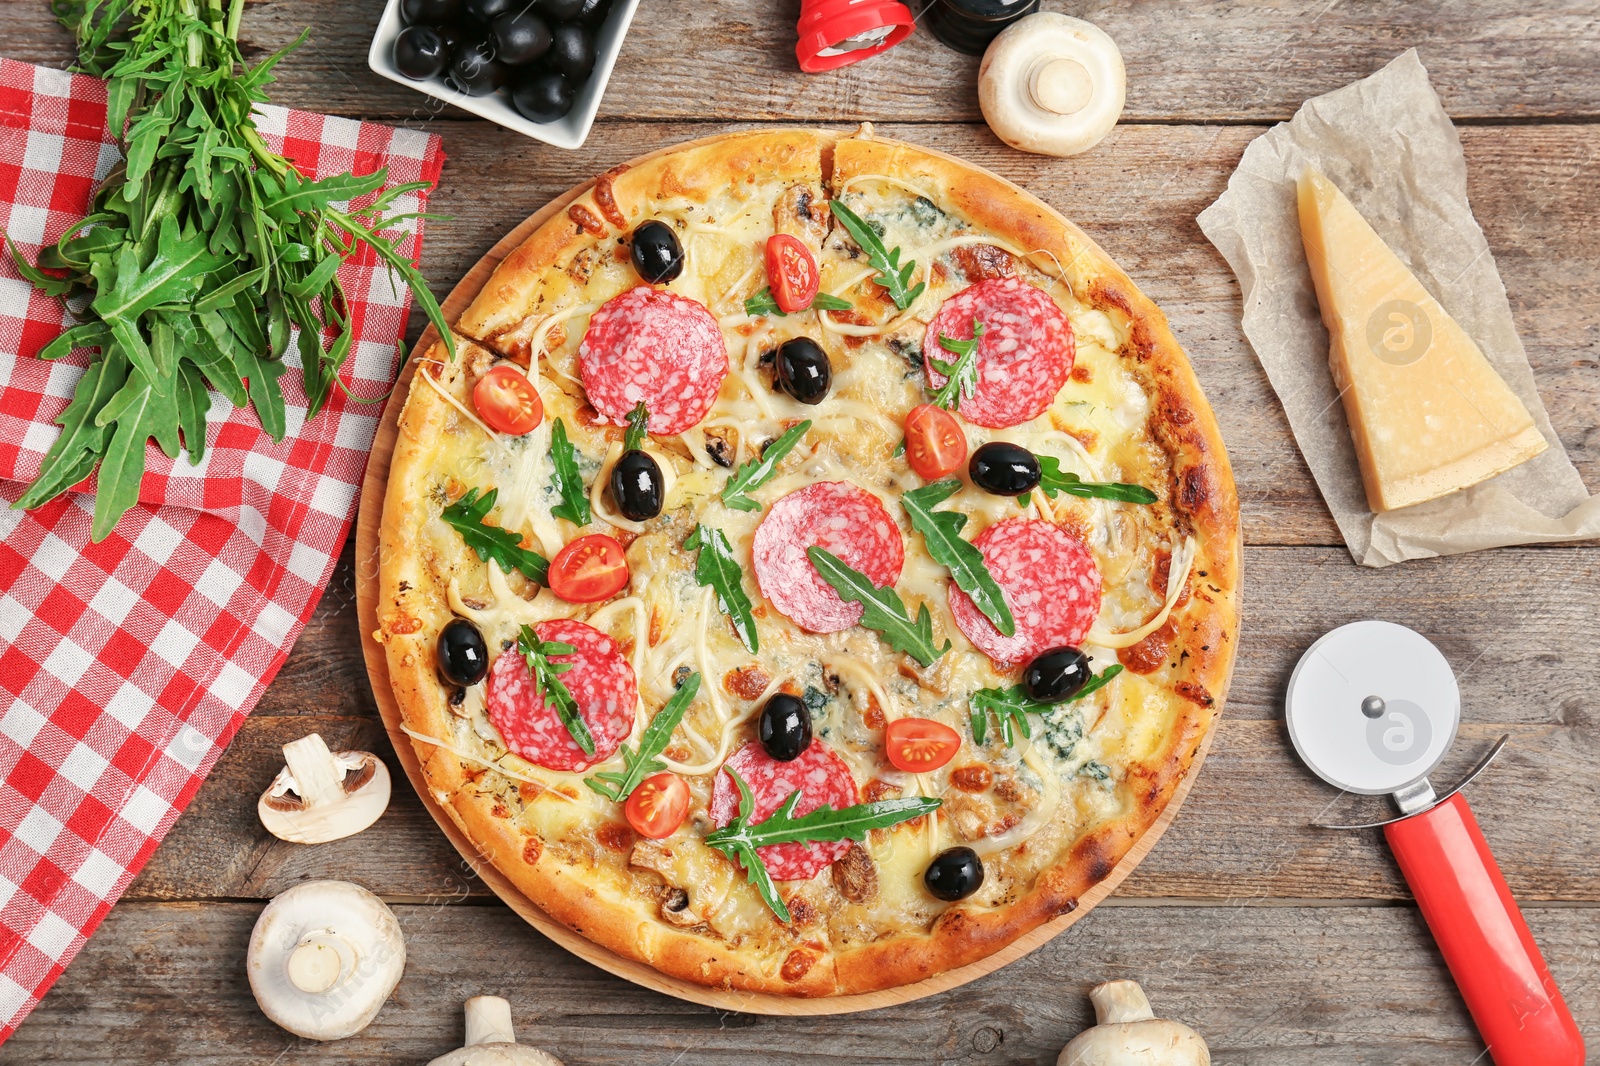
{"points": [[1047, 791]]}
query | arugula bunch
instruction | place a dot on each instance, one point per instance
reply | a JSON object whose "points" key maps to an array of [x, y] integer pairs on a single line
{"points": [[641, 763], [200, 251], [547, 678], [739, 840], [1010, 707]]}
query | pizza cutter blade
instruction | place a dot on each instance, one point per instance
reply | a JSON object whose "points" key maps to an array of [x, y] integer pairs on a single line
{"points": [[1372, 708]]}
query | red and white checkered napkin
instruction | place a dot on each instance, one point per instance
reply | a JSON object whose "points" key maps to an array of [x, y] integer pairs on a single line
{"points": [[126, 666]]}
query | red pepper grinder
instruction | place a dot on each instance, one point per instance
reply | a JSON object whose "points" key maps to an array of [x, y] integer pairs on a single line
{"points": [[834, 33]]}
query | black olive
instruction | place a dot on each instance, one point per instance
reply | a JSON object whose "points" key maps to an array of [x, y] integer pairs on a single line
{"points": [[486, 11], [420, 53], [657, 255], [520, 38], [785, 727], [637, 486], [1056, 675], [594, 11], [463, 655], [450, 33], [572, 52], [474, 70], [542, 97], [802, 370], [561, 10], [954, 874], [429, 11], [1003, 469]]}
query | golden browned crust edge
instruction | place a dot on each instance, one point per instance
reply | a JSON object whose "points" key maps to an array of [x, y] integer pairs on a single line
{"points": [[1202, 493]]}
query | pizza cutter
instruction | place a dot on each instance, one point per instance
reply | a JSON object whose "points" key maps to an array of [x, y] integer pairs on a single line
{"points": [[1372, 707]]}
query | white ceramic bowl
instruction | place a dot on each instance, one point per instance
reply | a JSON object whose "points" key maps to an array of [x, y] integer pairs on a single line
{"points": [[567, 132]]}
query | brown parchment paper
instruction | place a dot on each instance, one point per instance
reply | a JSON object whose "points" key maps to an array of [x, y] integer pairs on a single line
{"points": [[1387, 142]]}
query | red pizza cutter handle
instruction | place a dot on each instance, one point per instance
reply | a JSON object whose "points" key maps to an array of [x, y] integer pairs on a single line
{"points": [[1479, 929]]}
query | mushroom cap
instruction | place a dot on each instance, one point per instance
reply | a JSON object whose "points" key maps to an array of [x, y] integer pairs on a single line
{"points": [[1052, 84], [323, 958], [322, 795], [1127, 1033]]}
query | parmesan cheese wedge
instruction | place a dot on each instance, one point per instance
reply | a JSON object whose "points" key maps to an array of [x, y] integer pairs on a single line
{"points": [[1428, 413]]}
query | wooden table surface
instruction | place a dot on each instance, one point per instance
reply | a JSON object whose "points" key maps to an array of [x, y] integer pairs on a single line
{"points": [[1283, 945]]}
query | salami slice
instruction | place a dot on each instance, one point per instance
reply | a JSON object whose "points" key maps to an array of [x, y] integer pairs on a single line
{"points": [[820, 776], [840, 518], [653, 346], [1049, 580], [601, 681], [1023, 359]]}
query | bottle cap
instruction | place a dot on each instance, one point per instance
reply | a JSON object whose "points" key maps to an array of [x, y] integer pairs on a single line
{"points": [[835, 33]]}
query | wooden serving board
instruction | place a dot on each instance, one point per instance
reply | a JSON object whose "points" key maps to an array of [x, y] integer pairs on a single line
{"points": [[366, 567]]}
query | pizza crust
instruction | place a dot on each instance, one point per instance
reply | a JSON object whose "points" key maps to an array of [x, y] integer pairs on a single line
{"points": [[798, 960]]}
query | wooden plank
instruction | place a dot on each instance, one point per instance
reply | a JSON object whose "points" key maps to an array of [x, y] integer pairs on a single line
{"points": [[163, 983], [1138, 195], [1186, 60], [1244, 834]]}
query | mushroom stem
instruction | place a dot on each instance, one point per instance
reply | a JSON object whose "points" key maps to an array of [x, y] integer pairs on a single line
{"points": [[319, 962], [489, 1021], [1120, 1001], [318, 777]]}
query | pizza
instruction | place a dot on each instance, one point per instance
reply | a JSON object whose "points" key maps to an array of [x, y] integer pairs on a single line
{"points": [[811, 567]]}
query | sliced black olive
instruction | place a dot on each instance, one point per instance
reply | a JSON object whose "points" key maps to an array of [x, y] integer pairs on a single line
{"points": [[474, 70], [785, 727], [420, 53], [1003, 469], [520, 37], [802, 370], [561, 10], [637, 486], [463, 655], [486, 11], [657, 255], [572, 51], [429, 11], [954, 874], [542, 97], [1056, 675]]}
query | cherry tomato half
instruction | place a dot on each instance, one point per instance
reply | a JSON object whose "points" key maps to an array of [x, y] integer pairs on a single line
{"points": [[792, 273], [507, 400], [589, 569], [935, 445], [917, 745], [658, 806]]}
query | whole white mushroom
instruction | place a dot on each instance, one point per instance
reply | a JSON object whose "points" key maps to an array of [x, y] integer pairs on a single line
{"points": [[1052, 84], [1127, 1033], [323, 958], [491, 1040]]}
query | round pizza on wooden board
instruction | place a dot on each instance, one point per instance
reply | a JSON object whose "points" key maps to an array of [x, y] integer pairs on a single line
{"points": [[835, 711]]}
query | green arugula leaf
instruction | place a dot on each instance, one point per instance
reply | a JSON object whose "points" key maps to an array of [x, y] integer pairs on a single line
{"points": [[885, 611], [716, 567], [961, 376], [758, 471], [640, 763], [1010, 707], [891, 275], [466, 516], [547, 677], [941, 532], [48, 284], [739, 840], [574, 505], [81, 436], [1053, 479], [141, 409], [764, 303], [638, 428]]}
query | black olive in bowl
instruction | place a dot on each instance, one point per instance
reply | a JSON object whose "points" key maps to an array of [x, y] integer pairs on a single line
{"points": [[420, 53], [413, 12], [486, 11], [561, 10], [571, 51], [594, 12], [520, 37], [542, 97], [475, 71]]}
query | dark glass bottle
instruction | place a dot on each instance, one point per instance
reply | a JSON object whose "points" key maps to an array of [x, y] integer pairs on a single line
{"points": [[969, 25]]}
